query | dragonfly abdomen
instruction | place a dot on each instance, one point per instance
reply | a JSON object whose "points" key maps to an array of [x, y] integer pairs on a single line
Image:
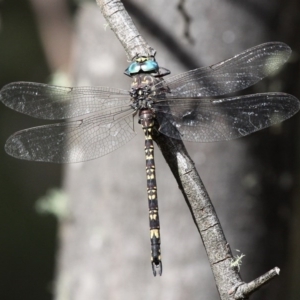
{"points": [[147, 122]]}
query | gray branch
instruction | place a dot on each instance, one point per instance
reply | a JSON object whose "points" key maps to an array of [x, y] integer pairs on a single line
{"points": [[228, 280], [244, 290], [122, 25]]}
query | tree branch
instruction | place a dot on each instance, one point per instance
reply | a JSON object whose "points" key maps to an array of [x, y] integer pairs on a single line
{"points": [[228, 280], [122, 25], [244, 290]]}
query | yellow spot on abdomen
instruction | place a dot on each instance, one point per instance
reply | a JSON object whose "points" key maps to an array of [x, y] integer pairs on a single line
{"points": [[154, 233]]}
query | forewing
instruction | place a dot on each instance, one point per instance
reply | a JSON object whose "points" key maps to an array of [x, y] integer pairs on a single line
{"points": [[73, 141], [54, 102], [204, 120], [234, 74]]}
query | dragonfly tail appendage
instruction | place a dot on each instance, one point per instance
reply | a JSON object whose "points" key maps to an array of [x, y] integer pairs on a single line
{"points": [[157, 268]]}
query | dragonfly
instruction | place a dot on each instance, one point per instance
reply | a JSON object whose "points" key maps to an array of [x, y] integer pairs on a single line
{"points": [[191, 106]]}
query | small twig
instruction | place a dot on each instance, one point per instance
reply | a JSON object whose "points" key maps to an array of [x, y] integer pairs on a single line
{"points": [[243, 291], [187, 21]]}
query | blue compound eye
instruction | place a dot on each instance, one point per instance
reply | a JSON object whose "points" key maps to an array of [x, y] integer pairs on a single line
{"points": [[149, 66], [133, 68]]}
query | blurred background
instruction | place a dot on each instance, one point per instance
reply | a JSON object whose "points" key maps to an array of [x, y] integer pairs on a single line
{"points": [[81, 230]]}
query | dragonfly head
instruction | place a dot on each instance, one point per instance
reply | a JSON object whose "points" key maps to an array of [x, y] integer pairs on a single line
{"points": [[142, 64], [145, 64]]}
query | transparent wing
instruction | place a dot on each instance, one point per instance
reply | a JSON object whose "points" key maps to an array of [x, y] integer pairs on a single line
{"points": [[205, 120], [73, 141], [54, 102], [234, 74]]}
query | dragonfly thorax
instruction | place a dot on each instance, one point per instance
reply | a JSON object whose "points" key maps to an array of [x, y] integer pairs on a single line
{"points": [[141, 91]]}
